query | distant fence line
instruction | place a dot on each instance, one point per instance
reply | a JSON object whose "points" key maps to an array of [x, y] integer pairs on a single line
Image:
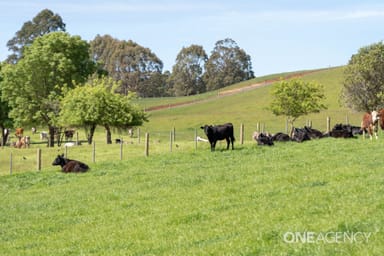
{"points": [[260, 127]]}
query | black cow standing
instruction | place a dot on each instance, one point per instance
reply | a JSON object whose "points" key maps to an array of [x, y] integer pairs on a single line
{"points": [[219, 132]]}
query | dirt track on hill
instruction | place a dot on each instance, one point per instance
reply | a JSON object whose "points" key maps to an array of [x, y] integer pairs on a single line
{"points": [[233, 91]]}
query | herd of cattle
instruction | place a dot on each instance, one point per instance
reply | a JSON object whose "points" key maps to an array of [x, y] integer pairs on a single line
{"points": [[24, 141], [369, 124]]}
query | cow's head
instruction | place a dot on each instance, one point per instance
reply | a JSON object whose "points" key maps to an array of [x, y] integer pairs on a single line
{"points": [[59, 160], [375, 116], [208, 129]]}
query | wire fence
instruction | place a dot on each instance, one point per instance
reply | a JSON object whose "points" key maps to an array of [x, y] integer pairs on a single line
{"points": [[39, 157]]}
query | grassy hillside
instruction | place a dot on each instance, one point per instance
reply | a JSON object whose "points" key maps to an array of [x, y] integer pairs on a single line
{"points": [[251, 107], [240, 202]]}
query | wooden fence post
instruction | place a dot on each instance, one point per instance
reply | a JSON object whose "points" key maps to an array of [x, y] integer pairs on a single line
{"points": [[146, 144], [286, 125], [242, 134], [94, 152], [10, 164], [121, 148], [138, 135], [38, 158], [195, 139], [174, 134], [328, 124]]}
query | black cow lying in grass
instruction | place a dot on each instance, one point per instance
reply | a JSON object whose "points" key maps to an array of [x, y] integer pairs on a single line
{"points": [[263, 139], [306, 133], [69, 165], [282, 137], [219, 132], [345, 131]]}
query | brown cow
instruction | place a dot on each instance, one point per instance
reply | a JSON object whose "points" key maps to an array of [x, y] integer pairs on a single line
{"points": [[19, 132], [23, 142], [370, 123]]}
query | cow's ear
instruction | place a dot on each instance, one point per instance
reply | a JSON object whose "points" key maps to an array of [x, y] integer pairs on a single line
{"points": [[62, 155], [202, 127]]}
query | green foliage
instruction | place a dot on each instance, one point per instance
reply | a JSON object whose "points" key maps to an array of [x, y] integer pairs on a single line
{"points": [[239, 202], [295, 98], [187, 73], [45, 22], [96, 103], [227, 64], [5, 121], [364, 76], [137, 67], [34, 85]]}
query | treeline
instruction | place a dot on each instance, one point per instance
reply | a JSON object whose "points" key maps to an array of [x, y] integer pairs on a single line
{"points": [[139, 70]]}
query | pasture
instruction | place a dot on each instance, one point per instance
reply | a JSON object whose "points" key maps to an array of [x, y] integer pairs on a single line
{"points": [[253, 200], [189, 202]]}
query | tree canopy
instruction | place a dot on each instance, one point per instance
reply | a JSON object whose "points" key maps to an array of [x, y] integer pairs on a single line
{"points": [[227, 64], [137, 67], [363, 86], [295, 98], [187, 73], [34, 85], [96, 103], [5, 120], [43, 23]]}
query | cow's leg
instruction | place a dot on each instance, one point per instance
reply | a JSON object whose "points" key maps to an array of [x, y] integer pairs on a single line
{"points": [[213, 145], [227, 139], [232, 139], [375, 130]]}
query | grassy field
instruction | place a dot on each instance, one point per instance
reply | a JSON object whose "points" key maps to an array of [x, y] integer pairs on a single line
{"points": [[250, 201], [251, 107], [194, 202]]}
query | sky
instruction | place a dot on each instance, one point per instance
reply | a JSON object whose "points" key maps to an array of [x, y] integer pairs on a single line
{"points": [[279, 35]]}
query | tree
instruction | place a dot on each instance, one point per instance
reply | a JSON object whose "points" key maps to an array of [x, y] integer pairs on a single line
{"points": [[363, 84], [135, 66], [5, 121], [33, 87], [96, 103], [228, 64], [45, 22], [295, 98], [187, 73]]}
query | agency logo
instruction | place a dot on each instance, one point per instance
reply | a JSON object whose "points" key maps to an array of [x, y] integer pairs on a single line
{"points": [[330, 237]]}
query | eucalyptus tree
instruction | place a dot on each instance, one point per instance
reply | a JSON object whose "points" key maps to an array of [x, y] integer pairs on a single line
{"points": [[43, 23], [187, 73], [34, 85], [135, 66], [363, 85], [227, 64]]}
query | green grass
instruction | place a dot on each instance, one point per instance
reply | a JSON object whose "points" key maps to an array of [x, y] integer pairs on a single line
{"points": [[251, 107], [194, 202]]}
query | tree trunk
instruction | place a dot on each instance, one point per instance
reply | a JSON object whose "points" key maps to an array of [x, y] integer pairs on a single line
{"points": [[51, 137], [4, 136], [91, 132], [109, 135]]}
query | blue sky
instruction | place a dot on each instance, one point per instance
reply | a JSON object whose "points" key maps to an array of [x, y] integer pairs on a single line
{"points": [[279, 36]]}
